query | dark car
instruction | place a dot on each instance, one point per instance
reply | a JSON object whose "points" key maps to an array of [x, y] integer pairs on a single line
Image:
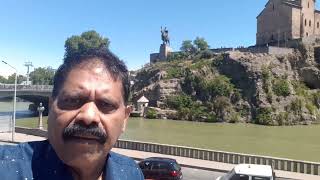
{"points": [[160, 168]]}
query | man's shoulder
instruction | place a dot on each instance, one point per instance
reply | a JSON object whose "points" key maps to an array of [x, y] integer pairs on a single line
{"points": [[21, 150], [17, 160], [121, 159], [122, 167]]}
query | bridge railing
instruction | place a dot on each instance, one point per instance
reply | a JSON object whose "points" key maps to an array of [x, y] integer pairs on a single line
{"points": [[26, 87], [209, 155]]}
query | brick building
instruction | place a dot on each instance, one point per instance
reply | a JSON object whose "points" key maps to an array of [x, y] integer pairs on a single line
{"points": [[284, 20]]}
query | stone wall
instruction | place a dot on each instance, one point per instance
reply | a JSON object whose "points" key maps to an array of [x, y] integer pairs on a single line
{"points": [[154, 57], [266, 49]]}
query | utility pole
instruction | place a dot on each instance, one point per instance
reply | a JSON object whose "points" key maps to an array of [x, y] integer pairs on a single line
{"points": [[14, 101], [28, 64]]}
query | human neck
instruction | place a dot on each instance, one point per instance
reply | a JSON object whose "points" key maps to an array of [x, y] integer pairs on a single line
{"points": [[87, 173]]}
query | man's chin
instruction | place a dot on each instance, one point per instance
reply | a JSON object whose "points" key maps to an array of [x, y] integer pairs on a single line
{"points": [[83, 151]]}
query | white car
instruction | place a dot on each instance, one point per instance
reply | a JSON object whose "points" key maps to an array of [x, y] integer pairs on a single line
{"points": [[249, 172]]}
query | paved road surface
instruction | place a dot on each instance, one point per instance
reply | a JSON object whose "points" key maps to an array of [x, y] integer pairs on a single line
{"points": [[197, 174]]}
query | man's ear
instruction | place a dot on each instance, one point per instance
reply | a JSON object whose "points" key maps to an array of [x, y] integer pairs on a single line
{"points": [[128, 111]]}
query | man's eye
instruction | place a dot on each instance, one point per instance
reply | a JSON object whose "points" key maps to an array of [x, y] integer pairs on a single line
{"points": [[105, 107], [70, 103]]}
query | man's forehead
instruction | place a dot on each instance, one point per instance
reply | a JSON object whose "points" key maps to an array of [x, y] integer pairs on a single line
{"points": [[92, 63], [87, 75]]}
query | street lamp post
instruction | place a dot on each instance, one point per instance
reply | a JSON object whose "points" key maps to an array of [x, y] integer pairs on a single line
{"points": [[14, 100]]}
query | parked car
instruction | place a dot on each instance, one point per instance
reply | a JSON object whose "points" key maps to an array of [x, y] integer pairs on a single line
{"points": [[249, 172], [159, 168]]}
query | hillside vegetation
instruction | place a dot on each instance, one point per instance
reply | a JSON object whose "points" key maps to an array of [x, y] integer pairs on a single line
{"points": [[233, 87]]}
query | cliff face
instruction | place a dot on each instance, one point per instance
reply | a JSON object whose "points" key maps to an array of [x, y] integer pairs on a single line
{"points": [[236, 87]]}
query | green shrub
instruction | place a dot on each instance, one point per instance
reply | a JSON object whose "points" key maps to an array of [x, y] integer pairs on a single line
{"points": [[221, 105], [211, 118], [200, 64], [178, 56], [235, 118], [266, 79], [236, 96], [264, 116], [269, 96], [206, 54], [300, 88], [296, 106], [218, 60], [219, 86], [174, 72], [179, 101], [281, 87], [311, 108], [316, 99], [151, 113], [282, 118]]}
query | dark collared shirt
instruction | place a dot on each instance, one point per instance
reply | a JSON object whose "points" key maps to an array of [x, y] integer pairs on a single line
{"points": [[38, 161]]}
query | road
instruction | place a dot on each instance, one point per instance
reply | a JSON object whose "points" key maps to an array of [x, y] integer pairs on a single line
{"points": [[197, 174]]}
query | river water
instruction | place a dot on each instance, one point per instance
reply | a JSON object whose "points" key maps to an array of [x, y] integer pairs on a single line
{"points": [[294, 142], [6, 109]]}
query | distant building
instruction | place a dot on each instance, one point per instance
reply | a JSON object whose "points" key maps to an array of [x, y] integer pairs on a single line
{"points": [[285, 20], [142, 104]]}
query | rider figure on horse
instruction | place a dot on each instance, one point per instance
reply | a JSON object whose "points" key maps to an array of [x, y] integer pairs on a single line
{"points": [[165, 36]]}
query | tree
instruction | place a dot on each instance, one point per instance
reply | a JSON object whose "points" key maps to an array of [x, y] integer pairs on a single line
{"points": [[88, 41], [187, 46], [20, 78], [201, 43], [3, 80], [42, 76]]}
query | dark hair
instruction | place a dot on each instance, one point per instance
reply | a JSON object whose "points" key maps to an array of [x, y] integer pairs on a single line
{"points": [[111, 62]]}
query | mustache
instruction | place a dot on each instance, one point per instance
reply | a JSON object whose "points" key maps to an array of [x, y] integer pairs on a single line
{"points": [[81, 129]]}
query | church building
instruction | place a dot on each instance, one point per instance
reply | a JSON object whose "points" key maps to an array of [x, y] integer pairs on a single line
{"points": [[284, 20]]}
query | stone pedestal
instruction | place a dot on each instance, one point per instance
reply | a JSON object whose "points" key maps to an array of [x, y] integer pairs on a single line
{"points": [[40, 110], [165, 50]]}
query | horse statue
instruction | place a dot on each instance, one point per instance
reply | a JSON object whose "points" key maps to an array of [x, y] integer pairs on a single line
{"points": [[165, 36]]}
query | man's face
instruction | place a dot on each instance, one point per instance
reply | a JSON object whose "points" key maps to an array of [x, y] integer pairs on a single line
{"points": [[90, 97]]}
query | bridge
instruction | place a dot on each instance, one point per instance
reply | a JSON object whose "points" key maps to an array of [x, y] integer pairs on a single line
{"points": [[7, 90], [32, 93]]}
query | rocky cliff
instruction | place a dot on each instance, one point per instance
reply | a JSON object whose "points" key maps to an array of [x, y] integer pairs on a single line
{"points": [[235, 87]]}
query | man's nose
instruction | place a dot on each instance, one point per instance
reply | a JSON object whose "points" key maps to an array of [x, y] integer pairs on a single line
{"points": [[89, 114]]}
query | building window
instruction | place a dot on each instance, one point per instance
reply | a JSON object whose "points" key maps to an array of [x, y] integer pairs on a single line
{"points": [[317, 24], [305, 22], [273, 7], [310, 23], [308, 4], [307, 34]]}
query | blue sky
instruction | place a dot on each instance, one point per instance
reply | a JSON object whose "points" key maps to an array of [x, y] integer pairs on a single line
{"points": [[35, 30]]}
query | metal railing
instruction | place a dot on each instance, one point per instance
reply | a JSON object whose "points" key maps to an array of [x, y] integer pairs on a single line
{"points": [[7, 87]]}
